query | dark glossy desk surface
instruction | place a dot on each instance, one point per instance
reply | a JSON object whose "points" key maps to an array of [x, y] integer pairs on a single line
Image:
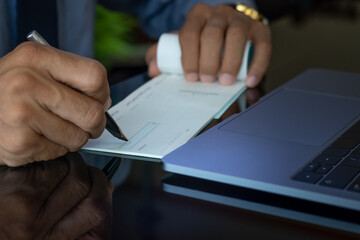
{"points": [[141, 209]]}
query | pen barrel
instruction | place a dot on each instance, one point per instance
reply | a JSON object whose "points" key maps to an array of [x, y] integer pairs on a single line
{"points": [[34, 36]]}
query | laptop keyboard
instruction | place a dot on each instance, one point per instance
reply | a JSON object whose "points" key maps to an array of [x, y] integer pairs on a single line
{"points": [[338, 166]]}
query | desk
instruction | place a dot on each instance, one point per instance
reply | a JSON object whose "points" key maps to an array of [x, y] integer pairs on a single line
{"points": [[144, 211], [141, 209]]}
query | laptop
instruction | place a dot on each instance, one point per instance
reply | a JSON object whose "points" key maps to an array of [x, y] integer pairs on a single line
{"points": [[263, 202], [300, 141]]}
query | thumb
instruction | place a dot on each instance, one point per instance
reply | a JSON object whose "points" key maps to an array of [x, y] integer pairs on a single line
{"points": [[151, 61]]}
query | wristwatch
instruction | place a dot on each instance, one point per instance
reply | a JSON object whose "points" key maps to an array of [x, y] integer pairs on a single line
{"points": [[252, 13]]}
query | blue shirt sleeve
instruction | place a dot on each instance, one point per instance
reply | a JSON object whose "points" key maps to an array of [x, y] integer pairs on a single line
{"points": [[159, 16], [7, 25]]}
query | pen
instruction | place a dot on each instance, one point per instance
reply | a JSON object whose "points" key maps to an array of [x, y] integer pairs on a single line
{"points": [[111, 125], [111, 167]]}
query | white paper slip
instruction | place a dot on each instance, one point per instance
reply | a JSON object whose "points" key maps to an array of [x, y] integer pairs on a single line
{"points": [[163, 114], [169, 56], [166, 112]]}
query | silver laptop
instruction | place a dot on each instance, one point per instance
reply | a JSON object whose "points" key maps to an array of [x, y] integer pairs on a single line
{"points": [[301, 140]]}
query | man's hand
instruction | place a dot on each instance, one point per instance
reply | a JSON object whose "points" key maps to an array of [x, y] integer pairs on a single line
{"points": [[59, 199], [202, 37], [51, 102]]}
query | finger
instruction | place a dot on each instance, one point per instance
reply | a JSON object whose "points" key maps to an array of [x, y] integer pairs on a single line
{"points": [[72, 106], [21, 193], [90, 213], [73, 188], [153, 69], [102, 230], [262, 53], [189, 37], [212, 39], [22, 146], [35, 89], [151, 60], [83, 74], [59, 131], [234, 49], [32, 111]]}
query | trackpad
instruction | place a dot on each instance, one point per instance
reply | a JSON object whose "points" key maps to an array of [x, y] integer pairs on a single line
{"points": [[297, 116]]}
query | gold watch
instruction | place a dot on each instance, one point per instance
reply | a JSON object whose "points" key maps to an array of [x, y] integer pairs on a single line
{"points": [[252, 13]]}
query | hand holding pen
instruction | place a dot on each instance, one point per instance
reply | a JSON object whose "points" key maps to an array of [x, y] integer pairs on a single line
{"points": [[51, 103], [111, 125]]}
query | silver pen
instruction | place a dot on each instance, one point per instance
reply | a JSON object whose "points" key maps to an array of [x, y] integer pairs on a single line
{"points": [[111, 125]]}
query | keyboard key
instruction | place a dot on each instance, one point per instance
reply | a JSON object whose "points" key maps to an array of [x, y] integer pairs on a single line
{"points": [[340, 176], [347, 143], [311, 167], [323, 169], [352, 161], [327, 159], [308, 177], [336, 151], [355, 186]]}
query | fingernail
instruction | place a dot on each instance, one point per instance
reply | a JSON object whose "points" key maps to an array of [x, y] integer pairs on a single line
{"points": [[207, 78], [251, 81], [227, 79], [192, 77], [107, 105]]}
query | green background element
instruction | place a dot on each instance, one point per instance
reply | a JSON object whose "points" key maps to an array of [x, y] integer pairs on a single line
{"points": [[115, 42]]}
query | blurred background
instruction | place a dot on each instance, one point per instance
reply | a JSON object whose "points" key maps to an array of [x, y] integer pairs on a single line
{"points": [[305, 34]]}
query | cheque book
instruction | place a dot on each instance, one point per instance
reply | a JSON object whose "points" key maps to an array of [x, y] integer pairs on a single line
{"points": [[167, 111]]}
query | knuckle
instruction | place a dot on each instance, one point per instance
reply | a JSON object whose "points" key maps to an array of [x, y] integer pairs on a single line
{"points": [[97, 213], [238, 31], [20, 114], [79, 140], [60, 151], [199, 8], [29, 50], [20, 80], [24, 200], [80, 188], [218, 20], [97, 75], [189, 36], [213, 31], [51, 153], [95, 116], [21, 143], [224, 8]]}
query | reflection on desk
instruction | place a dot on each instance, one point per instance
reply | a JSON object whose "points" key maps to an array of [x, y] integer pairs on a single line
{"points": [[143, 210], [58, 199]]}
